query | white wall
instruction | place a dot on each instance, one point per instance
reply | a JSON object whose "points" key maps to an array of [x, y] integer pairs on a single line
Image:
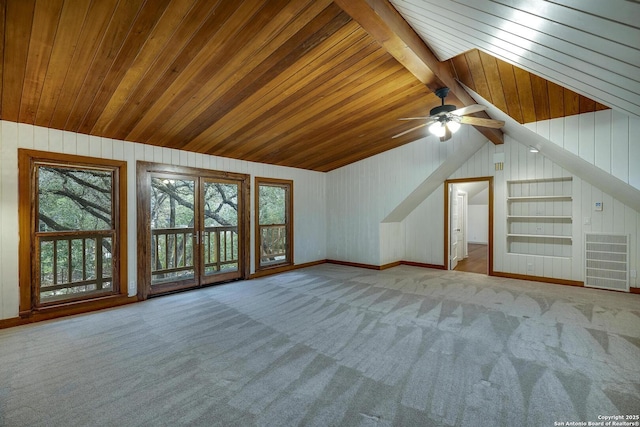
{"points": [[477, 224], [424, 227], [607, 139], [309, 194], [615, 218], [521, 164], [424, 231], [361, 195]]}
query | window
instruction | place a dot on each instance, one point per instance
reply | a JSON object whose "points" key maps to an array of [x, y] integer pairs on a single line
{"points": [[71, 215], [274, 223]]}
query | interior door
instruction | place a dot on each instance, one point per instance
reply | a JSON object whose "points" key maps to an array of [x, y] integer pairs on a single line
{"points": [[461, 230], [454, 228]]}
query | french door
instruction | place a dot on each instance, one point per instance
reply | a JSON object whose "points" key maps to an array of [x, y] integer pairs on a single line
{"points": [[194, 228]]}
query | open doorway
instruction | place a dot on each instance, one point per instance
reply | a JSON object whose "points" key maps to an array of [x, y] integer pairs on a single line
{"points": [[469, 225]]}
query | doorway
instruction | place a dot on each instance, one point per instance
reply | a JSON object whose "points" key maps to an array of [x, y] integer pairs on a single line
{"points": [[468, 219], [192, 228]]}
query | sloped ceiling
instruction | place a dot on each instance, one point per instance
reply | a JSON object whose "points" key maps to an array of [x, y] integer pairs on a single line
{"points": [[311, 84], [589, 46], [522, 95]]}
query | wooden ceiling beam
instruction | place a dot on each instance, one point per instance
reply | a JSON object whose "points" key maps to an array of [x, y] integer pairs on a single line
{"points": [[383, 23]]}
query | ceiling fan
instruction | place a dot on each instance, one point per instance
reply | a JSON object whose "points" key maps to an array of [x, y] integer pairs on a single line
{"points": [[445, 120]]}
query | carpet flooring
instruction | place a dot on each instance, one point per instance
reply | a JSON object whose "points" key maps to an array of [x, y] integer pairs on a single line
{"points": [[333, 346]]}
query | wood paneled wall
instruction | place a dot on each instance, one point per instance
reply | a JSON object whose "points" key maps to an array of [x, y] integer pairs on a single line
{"points": [[423, 244], [361, 195], [607, 139], [309, 198]]}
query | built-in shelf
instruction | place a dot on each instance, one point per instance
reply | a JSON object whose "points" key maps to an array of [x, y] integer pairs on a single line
{"points": [[520, 198], [565, 217], [540, 236], [540, 217]]}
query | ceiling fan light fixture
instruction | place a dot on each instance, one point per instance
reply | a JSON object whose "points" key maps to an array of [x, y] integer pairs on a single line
{"points": [[445, 119], [453, 126], [437, 129]]}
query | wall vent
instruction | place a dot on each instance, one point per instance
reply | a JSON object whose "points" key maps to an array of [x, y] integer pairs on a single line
{"points": [[606, 261]]}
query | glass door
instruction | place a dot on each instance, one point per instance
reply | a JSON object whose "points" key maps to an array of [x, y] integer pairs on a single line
{"points": [[191, 225], [220, 235], [174, 226]]}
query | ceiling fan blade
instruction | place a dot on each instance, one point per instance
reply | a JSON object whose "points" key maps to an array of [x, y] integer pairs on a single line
{"points": [[411, 130], [477, 121], [469, 109]]}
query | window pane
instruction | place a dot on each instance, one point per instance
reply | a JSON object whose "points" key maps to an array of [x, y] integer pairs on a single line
{"points": [[220, 237], [172, 203], [74, 199], [80, 200], [274, 224], [172, 229], [221, 204], [272, 205], [69, 266]]}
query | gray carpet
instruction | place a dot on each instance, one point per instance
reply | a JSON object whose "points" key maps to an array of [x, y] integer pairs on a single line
{"points": [[333, 345]]}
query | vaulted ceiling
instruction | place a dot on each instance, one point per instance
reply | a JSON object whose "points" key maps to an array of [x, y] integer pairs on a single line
{"points": [[314, 84], [589, 46]]}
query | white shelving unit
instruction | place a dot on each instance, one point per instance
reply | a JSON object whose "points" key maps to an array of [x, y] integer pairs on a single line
{"points": [[539, 217]]}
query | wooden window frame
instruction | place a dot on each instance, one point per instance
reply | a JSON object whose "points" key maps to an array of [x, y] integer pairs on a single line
{"points": [[28, 161], [289, 212]]}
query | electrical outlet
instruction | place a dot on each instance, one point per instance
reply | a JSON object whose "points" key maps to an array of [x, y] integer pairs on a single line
{"points": [[587, 220], [530, 266], [633, 274]]}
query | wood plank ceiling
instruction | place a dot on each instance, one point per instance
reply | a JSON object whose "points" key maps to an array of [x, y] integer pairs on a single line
{"points": [[523, 96], [589, 46], [293, 83]]}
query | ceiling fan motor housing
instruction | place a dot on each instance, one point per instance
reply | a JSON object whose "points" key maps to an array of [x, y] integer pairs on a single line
{"points": [[442, 109]]}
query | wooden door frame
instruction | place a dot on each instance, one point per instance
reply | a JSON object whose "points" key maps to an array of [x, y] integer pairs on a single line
{"points": [[489, 180], [143, 185]]}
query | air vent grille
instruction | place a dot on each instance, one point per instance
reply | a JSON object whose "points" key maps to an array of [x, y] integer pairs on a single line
{"points": [[606, 261]]}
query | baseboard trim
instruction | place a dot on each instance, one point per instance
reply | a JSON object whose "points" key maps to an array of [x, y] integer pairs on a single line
{"points": [[276, 270], [385, 266], [367, 266], [358, 265], [390, 265], [539, 279], [39, 317], [55, 313], [423, 265]]}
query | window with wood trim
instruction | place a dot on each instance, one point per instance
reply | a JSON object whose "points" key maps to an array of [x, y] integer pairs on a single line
{"points": [[274, 223], [72, 213]]}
